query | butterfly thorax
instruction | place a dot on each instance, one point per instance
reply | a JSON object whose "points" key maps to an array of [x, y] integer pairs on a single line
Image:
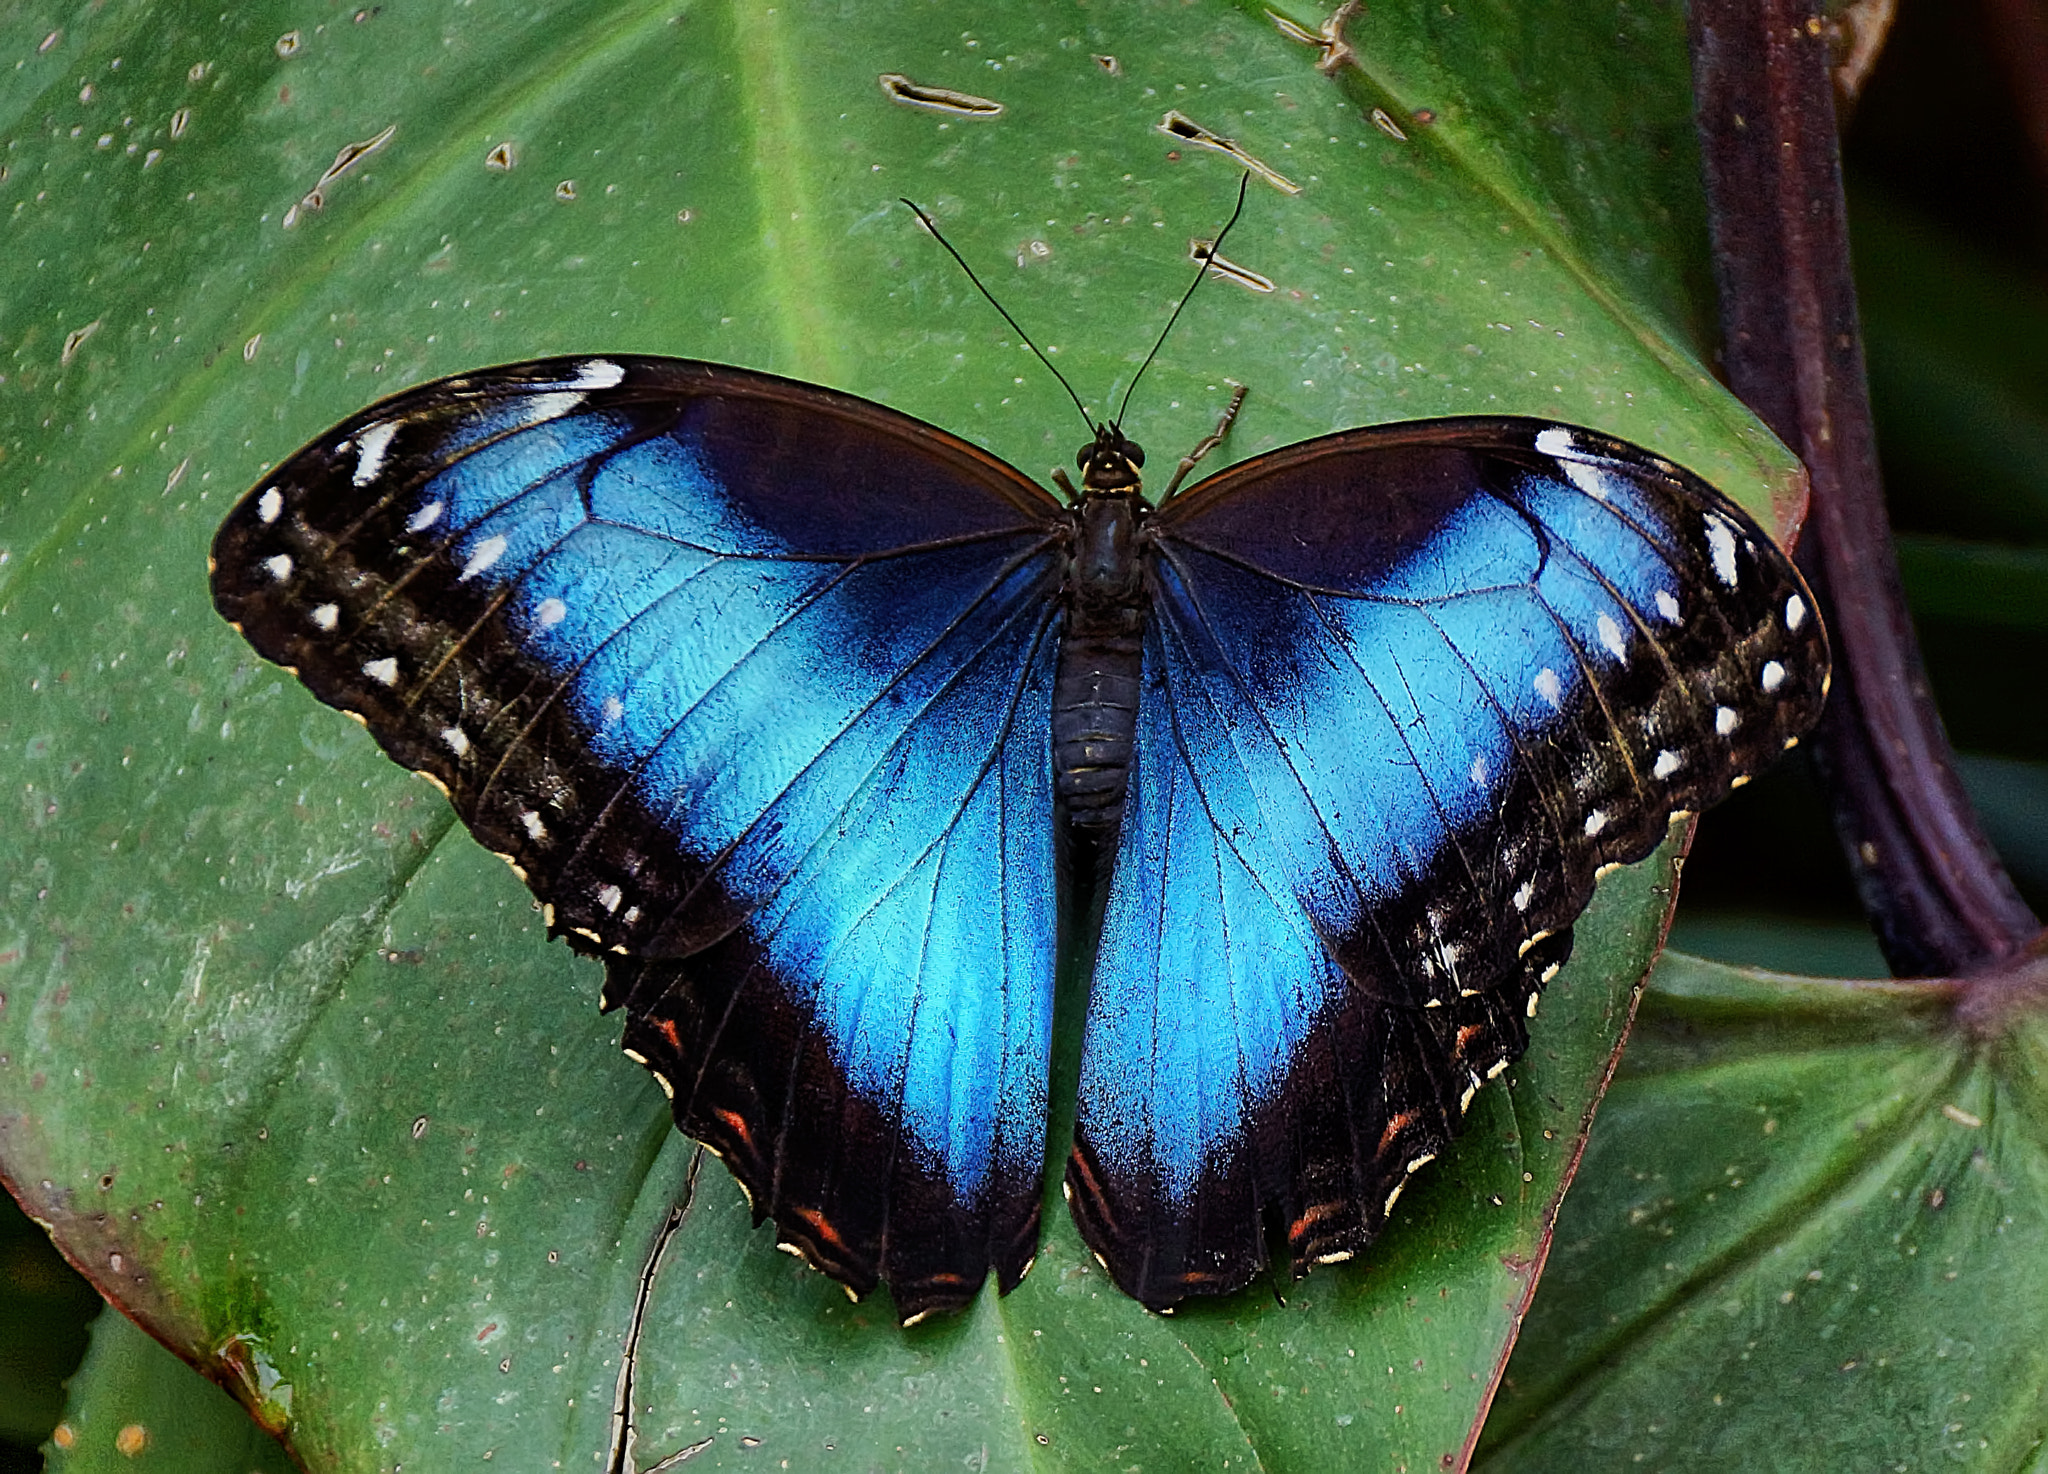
{"points": [[1104, 583], [1095, 696]]}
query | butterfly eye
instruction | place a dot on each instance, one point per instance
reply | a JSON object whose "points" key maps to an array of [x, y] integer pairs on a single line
{"points": [[1109, 453]]}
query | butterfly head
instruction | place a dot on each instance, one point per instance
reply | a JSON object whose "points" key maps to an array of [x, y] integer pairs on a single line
{"points": [[1110, 462]]}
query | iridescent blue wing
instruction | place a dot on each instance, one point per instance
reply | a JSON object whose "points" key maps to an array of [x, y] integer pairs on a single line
{"points": [[749, 681], [1406, 692]]}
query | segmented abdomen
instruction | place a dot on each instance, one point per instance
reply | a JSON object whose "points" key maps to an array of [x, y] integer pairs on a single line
{"points": [[1095, 717]]}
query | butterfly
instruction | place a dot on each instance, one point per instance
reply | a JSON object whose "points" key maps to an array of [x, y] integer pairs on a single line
{"points": [[817, 724]]}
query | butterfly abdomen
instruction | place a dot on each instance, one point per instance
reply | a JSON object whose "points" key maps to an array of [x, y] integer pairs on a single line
{"points": [[1095, 695]]}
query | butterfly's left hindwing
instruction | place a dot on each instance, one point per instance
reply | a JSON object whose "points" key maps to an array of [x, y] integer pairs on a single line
{"points": [[750, 681], [1406, 692]]}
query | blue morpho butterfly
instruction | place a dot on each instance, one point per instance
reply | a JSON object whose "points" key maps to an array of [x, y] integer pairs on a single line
{"points": [[812, 720]]}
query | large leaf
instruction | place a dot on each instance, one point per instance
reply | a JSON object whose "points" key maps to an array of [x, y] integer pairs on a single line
{"points": [[285, 1059], [1809, 1235]]}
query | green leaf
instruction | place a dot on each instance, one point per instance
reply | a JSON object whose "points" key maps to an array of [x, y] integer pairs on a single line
{"points": [[286, 1059], [133, 1401], [1807, 1235]]}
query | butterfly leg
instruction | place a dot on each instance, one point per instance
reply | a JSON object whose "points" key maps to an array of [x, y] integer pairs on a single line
{"points": [[1188, 461]]}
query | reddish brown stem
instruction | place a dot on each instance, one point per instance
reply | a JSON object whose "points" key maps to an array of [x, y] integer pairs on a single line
{"points": [[1934, 889]]}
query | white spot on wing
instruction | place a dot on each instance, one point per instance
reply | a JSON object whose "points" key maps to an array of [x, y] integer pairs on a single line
{"points": [[457, 740], [1668, 762], [1773, 675], [1667, 605], [327, 616], [1721, 546], [384, 672], [1610, 636], [1596, 482], [1479, 773], [1596, 821], [1525, 895], [425, 517], [1795, 609], [613, 709], [531, 822], [271, 503], [482, 556], [1725, 720], [609, 896], [1550, 688], [598, 373], [279, 568], [371, 448], [1554, 441], [543, 407], [551, 612]]}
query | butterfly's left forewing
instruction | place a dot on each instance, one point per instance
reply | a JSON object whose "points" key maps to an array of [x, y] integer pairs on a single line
{"points": [[1406, 691], [750, 681]]}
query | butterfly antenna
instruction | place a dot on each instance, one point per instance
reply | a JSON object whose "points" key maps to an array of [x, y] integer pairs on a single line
{"points": [[1201, 271], [933, 226]]}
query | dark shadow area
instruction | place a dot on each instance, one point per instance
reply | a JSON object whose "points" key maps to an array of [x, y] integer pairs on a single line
{"points": [[45, 1306]]}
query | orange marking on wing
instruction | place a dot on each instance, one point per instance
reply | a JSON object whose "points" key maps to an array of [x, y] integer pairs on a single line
{"points": [[1465, 1036], [668, 1032], [1299, 1229], [823, 1228], [737, 1124], [1395, 1127]]}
